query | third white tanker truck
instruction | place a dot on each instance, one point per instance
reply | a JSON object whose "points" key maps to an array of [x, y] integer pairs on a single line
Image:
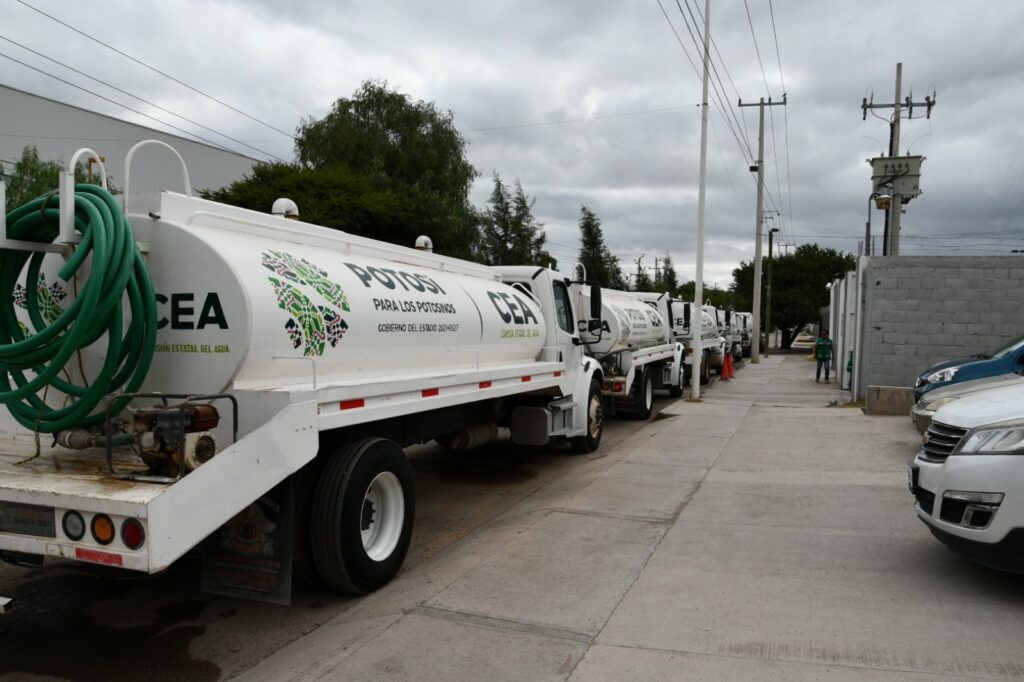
{"points": [[198, 371]]}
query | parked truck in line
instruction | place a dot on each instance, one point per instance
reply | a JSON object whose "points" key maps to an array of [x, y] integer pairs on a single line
{"points": [[729, 328], [745, 322], [709, 344], [291, 364], [636, 350]]}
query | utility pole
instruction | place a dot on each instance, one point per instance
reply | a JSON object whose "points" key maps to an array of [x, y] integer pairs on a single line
{"points": [[638, 267], [891, 236], [768, 295], [697, 312], [755, 348], [657, 273]]}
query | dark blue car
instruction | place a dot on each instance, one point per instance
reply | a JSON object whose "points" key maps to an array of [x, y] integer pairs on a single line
{"points": [[1008, 358]]}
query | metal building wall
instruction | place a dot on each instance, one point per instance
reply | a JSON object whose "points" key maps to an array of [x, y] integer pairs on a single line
{"points": [[59, 130]]}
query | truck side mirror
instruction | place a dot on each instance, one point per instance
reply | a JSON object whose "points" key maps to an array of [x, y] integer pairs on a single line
{"points": [[686, 315], [595, 301]]}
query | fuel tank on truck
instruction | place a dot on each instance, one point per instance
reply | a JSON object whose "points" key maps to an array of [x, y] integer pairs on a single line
{"points": [[250, 300], [627, 322]]}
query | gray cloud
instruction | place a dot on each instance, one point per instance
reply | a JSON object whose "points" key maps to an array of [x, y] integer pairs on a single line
{"points": [[513, 63]]}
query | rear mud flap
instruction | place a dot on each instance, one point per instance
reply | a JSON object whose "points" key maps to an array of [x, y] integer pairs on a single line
{"points": [[250, 556]]}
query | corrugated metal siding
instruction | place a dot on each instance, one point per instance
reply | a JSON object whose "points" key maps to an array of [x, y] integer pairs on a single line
{"points": [[59, 130]]}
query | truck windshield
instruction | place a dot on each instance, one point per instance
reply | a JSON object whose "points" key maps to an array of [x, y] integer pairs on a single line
{"points": [[1008, 348]]}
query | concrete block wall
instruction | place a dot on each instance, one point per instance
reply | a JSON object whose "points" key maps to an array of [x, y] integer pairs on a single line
{"points": [[919, 310]]}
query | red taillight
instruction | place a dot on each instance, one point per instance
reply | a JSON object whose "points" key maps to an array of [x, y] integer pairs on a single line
{"points": [[689, 351], [351, 404], [617, 387], [430, 392], [133, 534]]}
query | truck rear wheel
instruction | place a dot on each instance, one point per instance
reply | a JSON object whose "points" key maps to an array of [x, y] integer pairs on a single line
{"points": [[595, 422], [362, 516], [643, 398]]}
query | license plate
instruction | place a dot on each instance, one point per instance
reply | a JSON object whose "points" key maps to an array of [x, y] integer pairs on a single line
{"points": [[27, 519]]}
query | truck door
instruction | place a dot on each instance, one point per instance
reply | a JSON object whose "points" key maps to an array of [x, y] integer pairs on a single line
{"points": [[568, 342]]}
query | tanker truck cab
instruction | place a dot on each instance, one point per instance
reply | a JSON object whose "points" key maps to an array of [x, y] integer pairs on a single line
{"points": [[285, 367], [568, 308]]}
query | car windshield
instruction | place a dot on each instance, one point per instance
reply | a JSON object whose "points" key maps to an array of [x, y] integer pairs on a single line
{"points": [[1009, 348]]}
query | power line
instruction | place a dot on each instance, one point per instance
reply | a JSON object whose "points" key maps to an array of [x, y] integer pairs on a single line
{"points": [[107, 99], [696, 71], [757, 50], [145, 101], [155, 70]]}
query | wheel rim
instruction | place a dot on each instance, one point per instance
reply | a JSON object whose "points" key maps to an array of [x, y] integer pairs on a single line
{"points": [[648, 394], [596, 415], [383, 515]]}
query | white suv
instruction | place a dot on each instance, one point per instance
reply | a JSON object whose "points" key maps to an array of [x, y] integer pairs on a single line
{"points": [[968, 478]]}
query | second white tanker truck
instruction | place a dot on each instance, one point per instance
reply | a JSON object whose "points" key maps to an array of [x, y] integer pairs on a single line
{"points": [[198, 371], [636, 350]]}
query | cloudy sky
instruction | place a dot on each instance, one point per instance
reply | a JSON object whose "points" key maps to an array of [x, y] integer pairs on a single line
{"points": [[596, 102]]}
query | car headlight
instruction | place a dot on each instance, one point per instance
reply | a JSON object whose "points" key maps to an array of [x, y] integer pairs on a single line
{"points": [[936, 404], [1005, 438], [942, 376]]}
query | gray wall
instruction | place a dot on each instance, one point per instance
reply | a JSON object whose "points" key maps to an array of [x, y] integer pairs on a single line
{"points": [[59, 130], [919, 310]]}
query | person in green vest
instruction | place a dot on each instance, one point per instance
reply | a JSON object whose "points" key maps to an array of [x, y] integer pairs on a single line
{"points": [[823, 353]]}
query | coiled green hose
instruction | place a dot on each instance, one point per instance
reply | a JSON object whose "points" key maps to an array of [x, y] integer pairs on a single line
{"points": [[116, 270]]}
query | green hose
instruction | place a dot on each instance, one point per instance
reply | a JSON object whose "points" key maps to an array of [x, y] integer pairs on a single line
{"points": [[116, 270]]}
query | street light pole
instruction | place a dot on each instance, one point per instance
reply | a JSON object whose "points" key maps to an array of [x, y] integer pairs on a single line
{"points": [[768, 297]]}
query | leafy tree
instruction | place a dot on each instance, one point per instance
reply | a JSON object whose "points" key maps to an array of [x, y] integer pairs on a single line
{"points": [[410, 148], [798, 286], [511, 235], [643, 281], [33, 177], [333, 197], [667, 280], [720, 298], [601, 264]]}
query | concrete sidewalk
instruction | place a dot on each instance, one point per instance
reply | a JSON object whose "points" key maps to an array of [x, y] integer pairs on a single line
{"points": [[759, 535]]}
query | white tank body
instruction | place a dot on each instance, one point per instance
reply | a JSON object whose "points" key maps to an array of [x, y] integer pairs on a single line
{"points": [[627, 322], [262, 308]]}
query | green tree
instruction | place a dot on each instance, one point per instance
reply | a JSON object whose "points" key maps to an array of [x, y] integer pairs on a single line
{"points": [[719, 298], [667, 279], [33, 177], [511, 234], [643, 281], [410, 148], [798, 286], [601, 264], [333, 197]]}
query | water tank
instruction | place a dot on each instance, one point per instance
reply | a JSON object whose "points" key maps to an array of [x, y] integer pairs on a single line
{"points": [[627, 322]]}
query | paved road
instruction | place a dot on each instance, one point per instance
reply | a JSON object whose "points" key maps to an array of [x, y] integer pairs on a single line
{"points": [[73, 623]]}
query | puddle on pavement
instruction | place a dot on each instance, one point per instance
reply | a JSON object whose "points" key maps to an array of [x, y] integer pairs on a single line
{"points": [[68, 643]]}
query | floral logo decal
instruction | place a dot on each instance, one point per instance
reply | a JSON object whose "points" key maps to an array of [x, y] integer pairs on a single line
{"points": [[310, 325], [48, 298]]}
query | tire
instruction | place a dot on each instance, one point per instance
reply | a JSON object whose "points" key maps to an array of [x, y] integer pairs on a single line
{"points": [[303, 488], [366, 483], [705, 371], [677, 391], [643, 398], [595, 422]]}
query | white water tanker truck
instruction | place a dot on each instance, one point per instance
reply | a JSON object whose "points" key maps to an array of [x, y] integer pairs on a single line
{"points": [[636, 351], [200, 375]]}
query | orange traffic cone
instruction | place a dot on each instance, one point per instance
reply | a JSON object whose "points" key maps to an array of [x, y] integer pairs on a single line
{"points": [[726, 372]]}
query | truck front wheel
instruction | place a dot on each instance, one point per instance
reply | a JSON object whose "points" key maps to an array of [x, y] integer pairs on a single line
{"points": [[595, 422], [643, 399], [705, 370], [362, 515]]}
